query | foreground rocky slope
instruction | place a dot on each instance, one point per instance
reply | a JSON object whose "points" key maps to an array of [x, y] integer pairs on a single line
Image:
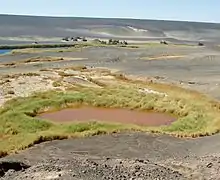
{"points": [[137, 156], [89, 169]]}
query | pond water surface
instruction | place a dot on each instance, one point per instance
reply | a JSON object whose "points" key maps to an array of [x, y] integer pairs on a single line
{"points": [[109, 115]]}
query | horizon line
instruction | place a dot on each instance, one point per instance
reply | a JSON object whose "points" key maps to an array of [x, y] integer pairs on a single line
{"points": [[99, 17]]}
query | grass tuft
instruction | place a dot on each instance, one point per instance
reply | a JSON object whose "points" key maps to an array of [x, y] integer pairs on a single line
{"points": [[3, 154], [57, 84]]}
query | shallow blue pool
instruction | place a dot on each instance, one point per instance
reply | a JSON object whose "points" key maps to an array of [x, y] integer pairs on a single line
{"points": [[3, 51]]}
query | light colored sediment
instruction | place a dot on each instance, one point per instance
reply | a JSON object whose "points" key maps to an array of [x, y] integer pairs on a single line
{"points": [[39, 60], [23, 85], [162, 57], [150, 91]]}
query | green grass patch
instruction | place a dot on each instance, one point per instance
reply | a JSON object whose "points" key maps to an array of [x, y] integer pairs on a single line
{"points": [[20, 128], [57, 83]]}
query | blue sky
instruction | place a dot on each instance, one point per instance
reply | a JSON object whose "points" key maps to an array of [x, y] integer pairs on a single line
{"points": [[193, 10]]}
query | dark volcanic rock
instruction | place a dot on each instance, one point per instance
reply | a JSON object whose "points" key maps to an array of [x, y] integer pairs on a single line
{"points": [[124, 156], [10, 167], [91, 169]]}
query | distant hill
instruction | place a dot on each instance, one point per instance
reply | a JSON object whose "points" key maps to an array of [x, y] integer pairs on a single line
{"points": [[18, 26]]}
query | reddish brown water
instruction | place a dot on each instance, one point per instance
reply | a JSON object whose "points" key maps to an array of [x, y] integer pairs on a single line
{"points": [[109, 115]]}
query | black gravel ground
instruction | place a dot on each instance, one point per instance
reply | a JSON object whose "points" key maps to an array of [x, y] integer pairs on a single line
{"points": [[120, 156], [92, 169]]}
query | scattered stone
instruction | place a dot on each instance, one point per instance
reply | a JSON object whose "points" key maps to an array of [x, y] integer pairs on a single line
{"points": [[209, 165], [191, 82], [149, 91]]}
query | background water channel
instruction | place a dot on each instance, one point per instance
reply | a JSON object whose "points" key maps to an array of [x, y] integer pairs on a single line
{"points": [[3, 51]]}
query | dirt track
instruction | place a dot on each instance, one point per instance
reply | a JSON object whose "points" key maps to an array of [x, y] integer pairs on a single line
{"points": [[128, 155]]}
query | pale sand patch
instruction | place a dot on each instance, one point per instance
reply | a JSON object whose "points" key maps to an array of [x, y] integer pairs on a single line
{"points": [[76, 58], [50, 58], [36, 60], [161, 57], [150, 91]]}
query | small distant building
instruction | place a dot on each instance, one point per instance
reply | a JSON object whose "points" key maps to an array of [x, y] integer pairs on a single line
{"points": [[163, 42], [74, 39], [35, 42], [66, 39], [200, 44]]}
